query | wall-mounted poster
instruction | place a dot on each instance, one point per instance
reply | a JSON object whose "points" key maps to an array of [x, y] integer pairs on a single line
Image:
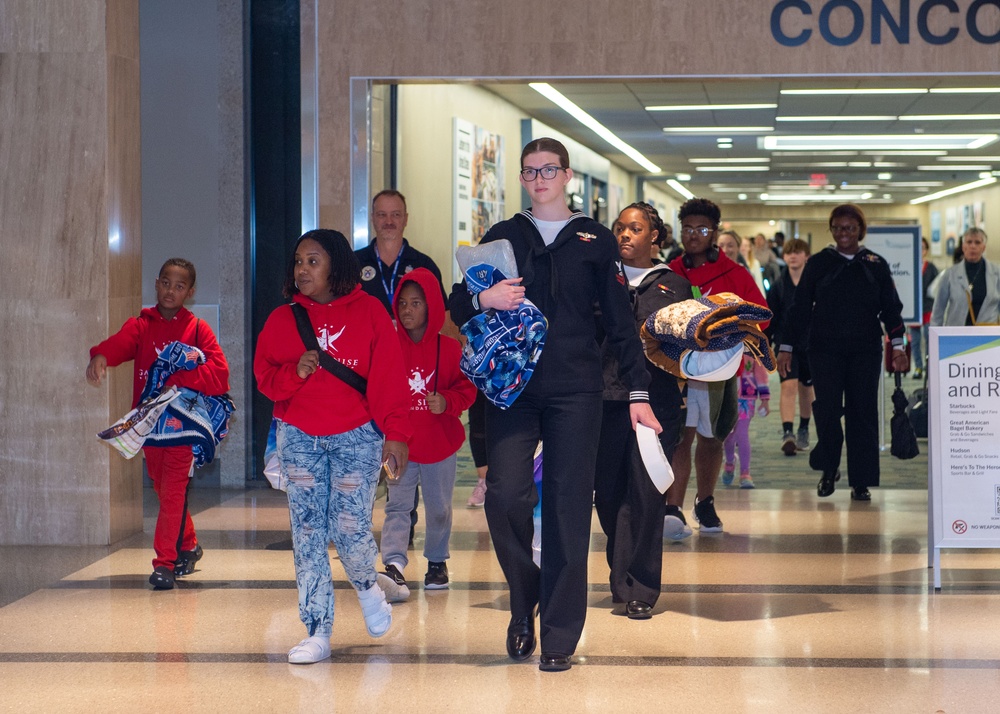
{"points": [[479, 177]]}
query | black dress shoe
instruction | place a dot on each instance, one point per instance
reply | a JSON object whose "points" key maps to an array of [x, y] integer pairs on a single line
{"points": [[826, 483], [554, 663], [638, 610], [521, 637], [860, 493]]}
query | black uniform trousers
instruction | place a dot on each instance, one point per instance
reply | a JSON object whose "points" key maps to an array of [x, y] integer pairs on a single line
{"points": [[628, 505], [846, 384], [569, 426]]}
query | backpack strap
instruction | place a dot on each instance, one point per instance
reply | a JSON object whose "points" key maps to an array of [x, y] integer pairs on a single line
{"points": [[308, 335]]}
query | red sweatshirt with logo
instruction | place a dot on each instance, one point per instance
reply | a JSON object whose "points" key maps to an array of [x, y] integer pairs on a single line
{"points": [[141, 339], [432, 366], [356, 331]]}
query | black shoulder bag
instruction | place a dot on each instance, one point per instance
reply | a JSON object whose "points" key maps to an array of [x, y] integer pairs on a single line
{"points": [[308, 335]]}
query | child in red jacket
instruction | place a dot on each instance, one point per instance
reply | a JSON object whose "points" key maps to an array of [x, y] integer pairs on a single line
{"points": [[141, 339], [439, 393]]}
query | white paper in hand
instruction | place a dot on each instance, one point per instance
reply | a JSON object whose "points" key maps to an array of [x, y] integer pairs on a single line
{"points": [[653, 458]]}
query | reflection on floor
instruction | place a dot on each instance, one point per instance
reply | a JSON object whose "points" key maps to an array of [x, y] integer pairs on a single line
{"points": [[803, 605]]}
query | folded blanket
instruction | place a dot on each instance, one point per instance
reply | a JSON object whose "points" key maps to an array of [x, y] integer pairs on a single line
{"points": [[502, 346], [176, 416], [712, 323]]}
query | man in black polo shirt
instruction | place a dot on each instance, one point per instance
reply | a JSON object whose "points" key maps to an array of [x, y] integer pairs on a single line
{"points": [[389, 257]]}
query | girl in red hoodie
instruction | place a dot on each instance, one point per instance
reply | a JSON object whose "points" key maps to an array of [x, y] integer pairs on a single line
{"points": [[439, 393], [332, 440]]}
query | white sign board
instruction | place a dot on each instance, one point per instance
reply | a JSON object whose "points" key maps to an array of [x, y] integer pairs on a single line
{"points": [[900, 246], [964, 389]]}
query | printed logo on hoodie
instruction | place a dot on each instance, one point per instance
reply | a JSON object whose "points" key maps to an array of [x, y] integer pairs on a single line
{"points": [[419, 383], [326, 336]]}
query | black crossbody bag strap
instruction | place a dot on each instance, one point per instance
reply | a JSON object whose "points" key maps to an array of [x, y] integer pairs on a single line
{"points": [[308, 335]]}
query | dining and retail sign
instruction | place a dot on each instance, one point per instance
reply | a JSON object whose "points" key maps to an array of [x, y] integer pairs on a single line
{"points": [[964, 398]]}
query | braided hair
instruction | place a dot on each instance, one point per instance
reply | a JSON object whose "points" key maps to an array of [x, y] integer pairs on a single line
{"points": [[652, 218]]}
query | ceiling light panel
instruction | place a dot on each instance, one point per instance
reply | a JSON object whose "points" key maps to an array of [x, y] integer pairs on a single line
{"points": [[887, 90], [718, 129], [872, 142], [707, 107], [830, 118]]}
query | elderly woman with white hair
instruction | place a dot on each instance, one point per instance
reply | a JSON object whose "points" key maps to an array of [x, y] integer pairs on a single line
{"points": [[968, 292]]}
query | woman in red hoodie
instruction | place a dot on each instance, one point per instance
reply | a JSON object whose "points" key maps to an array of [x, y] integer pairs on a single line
{"points": [[439, 393], [332, 439]]}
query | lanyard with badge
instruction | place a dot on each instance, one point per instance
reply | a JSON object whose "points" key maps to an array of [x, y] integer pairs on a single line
{"points": [[390, 289]]}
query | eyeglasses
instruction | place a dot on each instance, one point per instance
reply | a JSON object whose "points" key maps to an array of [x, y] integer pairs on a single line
{"points": [[547, 172], [849, 230], [689, 232]]}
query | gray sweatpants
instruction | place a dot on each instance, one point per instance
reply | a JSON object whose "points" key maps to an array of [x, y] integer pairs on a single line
{"points": [[437, 483]]}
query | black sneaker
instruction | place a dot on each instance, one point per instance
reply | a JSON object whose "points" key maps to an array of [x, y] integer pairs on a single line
{"points": [[184, 565], [397, 577], [704, 513], [436, 577], [162, 578]]}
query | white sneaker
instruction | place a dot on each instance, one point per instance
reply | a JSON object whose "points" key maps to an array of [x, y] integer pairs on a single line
{"points": [[377, 612], [310, 650], [478, 497], [394, 592]]}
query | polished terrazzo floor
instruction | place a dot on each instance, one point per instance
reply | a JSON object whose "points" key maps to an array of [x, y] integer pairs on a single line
{"points": [[802, 605]]}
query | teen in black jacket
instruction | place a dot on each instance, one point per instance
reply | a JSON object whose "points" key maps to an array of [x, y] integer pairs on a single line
{"points": [[629, 507]]}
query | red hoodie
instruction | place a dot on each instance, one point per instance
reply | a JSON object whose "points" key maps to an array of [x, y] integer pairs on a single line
{"points": [[356, 331], [722, 276], [432, 365], [141, 339]]}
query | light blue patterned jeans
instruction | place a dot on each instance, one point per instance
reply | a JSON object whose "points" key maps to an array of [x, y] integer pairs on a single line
{"points": [[331, 491]]}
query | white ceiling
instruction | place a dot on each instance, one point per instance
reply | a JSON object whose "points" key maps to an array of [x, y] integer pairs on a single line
{"points": [[848, 173]]}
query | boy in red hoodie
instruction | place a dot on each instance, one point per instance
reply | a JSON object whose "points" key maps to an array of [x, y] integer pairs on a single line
{"points": [[439, 393], [141, 339]]}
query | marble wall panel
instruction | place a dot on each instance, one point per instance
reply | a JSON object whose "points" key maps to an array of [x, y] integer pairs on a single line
{"points": [[65, 186], [234, 240], [51, 25]]}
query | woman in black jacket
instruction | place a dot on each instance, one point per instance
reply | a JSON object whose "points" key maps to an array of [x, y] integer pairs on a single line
{"points": [[845, 296]]}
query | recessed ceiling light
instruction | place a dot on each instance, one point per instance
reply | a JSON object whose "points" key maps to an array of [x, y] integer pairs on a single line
{"points": [[679, 188], [683, 177], [965, 90], [838, 197], [560, 100], [762, 160], [916, 184], [954, 190], [717, 129], [911, 90], [720, 169], [957, 167], [706, 107], [876, 141], [970, 159], [885, 177], [742, 197], [864, 117], [724, 140], [949, 117], [886, 164], [905, 153], [860, 164]]}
